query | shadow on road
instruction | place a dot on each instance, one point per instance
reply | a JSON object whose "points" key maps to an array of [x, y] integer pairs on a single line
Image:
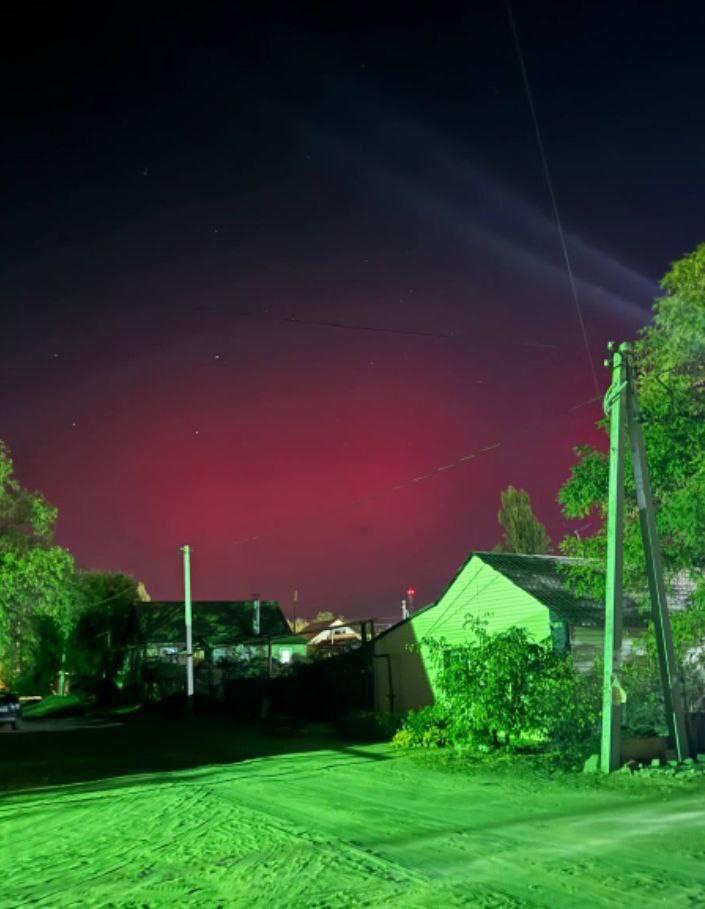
{"points": [[87, 751]]}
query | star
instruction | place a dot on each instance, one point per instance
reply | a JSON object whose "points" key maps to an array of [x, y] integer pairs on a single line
{"points": [[73, 425], [216, 356]]}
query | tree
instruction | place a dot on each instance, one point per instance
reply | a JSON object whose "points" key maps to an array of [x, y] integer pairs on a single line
{"points": [[670, 366], [37, 583], [670, 374], [523, 532], [99, 647]]}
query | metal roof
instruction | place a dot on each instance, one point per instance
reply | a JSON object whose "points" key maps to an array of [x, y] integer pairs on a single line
{"points": [[544, 578]]}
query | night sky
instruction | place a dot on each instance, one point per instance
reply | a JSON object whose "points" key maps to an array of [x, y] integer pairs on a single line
{"points": [[263, 263]]}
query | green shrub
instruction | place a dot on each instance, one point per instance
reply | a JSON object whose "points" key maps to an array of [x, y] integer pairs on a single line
{"points": [[644, 712], [506, 691], [424, 728]]}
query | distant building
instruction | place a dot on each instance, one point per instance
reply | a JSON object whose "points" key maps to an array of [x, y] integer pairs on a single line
{"points": [[502, 590], [227, 636], [331, 634]]}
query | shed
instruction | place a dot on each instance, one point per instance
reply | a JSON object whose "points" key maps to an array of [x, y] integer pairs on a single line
{"points": [[502, 590]]}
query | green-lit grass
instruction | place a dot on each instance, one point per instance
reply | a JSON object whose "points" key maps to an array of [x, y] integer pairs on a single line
{"points": [[55, 706], [210, 814]]}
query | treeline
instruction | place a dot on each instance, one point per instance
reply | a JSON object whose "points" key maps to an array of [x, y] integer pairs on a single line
{"points": [[54, 617]]}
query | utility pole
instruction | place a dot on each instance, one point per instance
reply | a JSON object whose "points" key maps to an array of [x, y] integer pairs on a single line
{"points": [[256, 623], [188, 620], [62, 672], [296, 603], [622, 407], [615, 408]]}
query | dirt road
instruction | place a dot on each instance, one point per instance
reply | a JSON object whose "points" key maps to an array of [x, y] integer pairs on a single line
{"points": [[352, 827]]}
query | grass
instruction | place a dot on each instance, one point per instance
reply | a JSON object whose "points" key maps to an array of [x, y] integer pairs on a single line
{"points": [[56, 706], [169, 812]]}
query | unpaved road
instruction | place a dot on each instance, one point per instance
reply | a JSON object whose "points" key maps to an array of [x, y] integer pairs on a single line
{"points": [[350, 827]]}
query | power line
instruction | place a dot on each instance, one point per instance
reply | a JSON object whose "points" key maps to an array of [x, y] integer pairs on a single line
{"points": [[325, 323], [551, 191], [394, 331], [429, 474]]}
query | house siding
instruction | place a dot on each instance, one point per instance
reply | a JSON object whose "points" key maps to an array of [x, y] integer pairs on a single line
{"points": [[477, 592]]}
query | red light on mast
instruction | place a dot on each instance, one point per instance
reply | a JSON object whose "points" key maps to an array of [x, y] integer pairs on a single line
{"points": [[411, 592]]}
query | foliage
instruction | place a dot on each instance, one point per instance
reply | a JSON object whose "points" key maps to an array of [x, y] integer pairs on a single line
{"points": [[523, 532], [37, 584], [105, 628], [424, 728], [26, 518], [505, 690], [54, 706], [670, 368], [643, 711], [670, 362]]}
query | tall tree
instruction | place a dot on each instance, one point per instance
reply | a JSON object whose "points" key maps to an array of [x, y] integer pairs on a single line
{"points": [[37, 578], [670, 365], [523, 532], [105, 629]]}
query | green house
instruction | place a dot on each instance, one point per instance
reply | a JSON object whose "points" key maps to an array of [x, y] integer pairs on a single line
{"points": [[502, 590]]}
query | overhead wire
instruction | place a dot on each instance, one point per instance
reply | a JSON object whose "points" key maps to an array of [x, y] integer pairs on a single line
{"points": [[551, 192], [410, 483]]}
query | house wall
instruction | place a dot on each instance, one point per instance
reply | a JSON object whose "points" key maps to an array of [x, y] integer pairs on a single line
{"points": [[477, 592], [586, 645]]}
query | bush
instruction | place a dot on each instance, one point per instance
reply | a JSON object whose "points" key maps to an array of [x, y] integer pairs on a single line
{"points": [[505, 691], [644, 712], [424, 728]]}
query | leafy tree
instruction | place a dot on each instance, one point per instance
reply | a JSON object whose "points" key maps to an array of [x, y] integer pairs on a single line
{"points": [[105, 628], [670, 364], [37, 581], [26, 518], [523, 532], [670, 372]]}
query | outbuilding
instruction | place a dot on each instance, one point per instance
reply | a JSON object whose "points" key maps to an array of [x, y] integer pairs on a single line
{"points": [[501, 590]]}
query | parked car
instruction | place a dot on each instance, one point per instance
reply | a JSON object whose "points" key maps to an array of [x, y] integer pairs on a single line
{"points": [[10, 709]]}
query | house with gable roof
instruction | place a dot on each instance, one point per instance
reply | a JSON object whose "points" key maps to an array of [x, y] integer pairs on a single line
{"points": [[501, 590]]}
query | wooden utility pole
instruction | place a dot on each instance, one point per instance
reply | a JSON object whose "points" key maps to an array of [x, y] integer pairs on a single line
{"points": [[622, 408], [615, 408], [188, 621]]}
